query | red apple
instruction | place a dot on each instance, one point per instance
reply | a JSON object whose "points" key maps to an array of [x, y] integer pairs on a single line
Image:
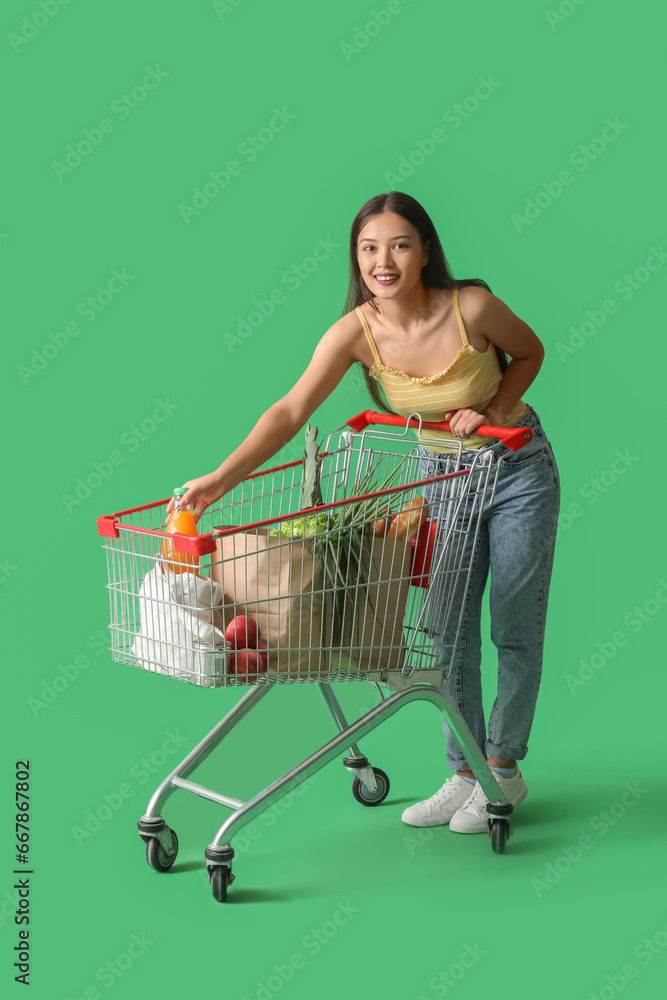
{"points": [[248, 662], [243, 633]]}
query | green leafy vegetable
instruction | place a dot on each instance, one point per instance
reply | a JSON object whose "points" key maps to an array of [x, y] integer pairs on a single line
{"points": [[305, 527]]}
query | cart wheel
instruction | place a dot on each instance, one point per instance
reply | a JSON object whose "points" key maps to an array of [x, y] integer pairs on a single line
{"points": [[221, 876], [156, 855], [365, 796], [499, 834]]}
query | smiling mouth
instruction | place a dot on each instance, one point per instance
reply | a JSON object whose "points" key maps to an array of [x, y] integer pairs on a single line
{"points": [[387, 279]]}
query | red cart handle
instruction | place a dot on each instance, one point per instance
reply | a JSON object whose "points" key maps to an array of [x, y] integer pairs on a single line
{"points": [[512, 437]]}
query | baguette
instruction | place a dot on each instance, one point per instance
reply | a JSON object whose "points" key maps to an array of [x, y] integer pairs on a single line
{"points": [[406, 524], [379, 527]]}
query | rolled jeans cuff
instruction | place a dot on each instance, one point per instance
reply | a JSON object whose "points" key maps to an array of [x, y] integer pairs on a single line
{"points": [[505, 753]]}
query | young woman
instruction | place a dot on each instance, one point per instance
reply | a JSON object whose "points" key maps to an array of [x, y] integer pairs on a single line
{"points": [[434, 345]]}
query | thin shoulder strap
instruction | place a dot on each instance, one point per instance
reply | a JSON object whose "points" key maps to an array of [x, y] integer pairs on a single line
{"points": [[459, 316], [369, 337]]}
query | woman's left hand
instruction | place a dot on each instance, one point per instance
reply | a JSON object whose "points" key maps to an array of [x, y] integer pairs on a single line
{"points": [[464, 421]]}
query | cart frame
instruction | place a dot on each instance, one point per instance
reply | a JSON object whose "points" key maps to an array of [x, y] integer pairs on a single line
{"points": [[370, 785]]}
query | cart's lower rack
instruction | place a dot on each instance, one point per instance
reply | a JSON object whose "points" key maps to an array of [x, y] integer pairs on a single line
{"points": [[370, 786]]}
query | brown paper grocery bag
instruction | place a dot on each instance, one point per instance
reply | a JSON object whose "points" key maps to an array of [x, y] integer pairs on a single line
{"points": [[280, 583], [372, 627], [277, 581]]}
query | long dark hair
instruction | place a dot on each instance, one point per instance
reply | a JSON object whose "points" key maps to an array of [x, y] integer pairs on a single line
{"points": [[435, 273]]}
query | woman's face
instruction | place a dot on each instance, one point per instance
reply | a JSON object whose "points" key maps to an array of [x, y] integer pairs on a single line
{"points": [[390, 245]]}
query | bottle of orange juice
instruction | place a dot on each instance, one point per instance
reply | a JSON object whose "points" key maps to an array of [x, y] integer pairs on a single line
{"points": [[182, 520]]}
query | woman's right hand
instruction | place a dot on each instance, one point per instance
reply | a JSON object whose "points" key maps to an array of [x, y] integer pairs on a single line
{"points": [[202, 492]]}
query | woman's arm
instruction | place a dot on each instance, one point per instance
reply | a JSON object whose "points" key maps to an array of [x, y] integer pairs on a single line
{"points": [[332, 357], [490, 316]]}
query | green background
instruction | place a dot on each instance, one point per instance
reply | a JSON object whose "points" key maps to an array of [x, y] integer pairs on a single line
{"points": [[361, 102]]}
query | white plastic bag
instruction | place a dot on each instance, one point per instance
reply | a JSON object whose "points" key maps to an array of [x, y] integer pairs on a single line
{"points": [[178, 635]]}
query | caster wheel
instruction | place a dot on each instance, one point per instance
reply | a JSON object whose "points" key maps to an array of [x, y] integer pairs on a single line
{"points": [[365, 796], [156, 855], [499, 834], [220, 878]]}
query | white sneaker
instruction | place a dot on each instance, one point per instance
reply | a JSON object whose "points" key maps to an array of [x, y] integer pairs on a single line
{"points": [[472, 816], [439, 809]]}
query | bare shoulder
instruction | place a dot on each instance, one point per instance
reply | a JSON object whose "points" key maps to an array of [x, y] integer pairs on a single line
{"points": [[346, 331], [349, 323], [487, 315], [483, 310], [476, 301]]}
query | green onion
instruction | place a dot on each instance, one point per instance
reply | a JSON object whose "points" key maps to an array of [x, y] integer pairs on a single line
{"points": [[337, 536]]}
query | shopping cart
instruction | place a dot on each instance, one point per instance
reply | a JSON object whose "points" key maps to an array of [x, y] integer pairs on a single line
{"points": [[350, 589]]}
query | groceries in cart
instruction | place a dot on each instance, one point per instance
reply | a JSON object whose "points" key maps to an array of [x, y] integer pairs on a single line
{"points": [[309, 620], [325, 587], [182, 520], [406, 524], [325, 582], [249, 657], [346, 569], [181, 628], [180, 631]]}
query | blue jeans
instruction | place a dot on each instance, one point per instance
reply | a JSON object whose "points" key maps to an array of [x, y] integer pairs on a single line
{"points": [[516, 541]]}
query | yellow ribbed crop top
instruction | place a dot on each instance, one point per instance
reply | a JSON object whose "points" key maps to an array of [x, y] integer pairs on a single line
{"points": [[470, 380]]}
